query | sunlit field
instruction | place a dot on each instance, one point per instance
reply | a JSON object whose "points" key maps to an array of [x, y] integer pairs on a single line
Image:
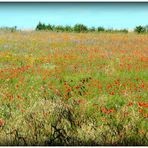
{"points": [[73, 88]]}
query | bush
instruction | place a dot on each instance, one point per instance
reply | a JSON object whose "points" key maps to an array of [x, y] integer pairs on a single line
{"points": [[124, 30], [42, 26], [68, 28], [100, 29], [59, 28], [140, 29], [49, 27], [80, 28], [9, 29], [92, 29]]}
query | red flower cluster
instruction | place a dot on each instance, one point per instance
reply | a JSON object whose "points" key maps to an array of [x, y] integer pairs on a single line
{"points": [[104, 110]]}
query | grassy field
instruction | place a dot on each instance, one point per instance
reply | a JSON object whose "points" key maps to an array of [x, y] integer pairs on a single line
{"points": [[73, 88]]}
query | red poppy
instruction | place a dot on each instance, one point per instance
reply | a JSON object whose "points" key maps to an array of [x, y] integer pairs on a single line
{"points": [[2, 122], [22, 110], [112, 93], [99, 86], [140, 110], [130, 104], [109, 86], [68, 90], [77, 87], [16, 86], [143, 104], [104, 110]]}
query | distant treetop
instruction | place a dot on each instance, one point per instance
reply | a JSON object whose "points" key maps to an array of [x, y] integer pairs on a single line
{"points": [[76, 28]]}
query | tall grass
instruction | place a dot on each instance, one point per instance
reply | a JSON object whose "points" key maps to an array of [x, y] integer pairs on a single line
{"points": [[73, 89]]}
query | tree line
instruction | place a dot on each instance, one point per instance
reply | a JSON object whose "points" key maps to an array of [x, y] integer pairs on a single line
{"points": [[76, 28], [9, 29]]}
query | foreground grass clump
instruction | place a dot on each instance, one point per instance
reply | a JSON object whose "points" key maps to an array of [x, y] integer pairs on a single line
{"points": [[73, 89]]}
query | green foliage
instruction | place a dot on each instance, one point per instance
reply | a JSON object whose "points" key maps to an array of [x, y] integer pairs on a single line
{"points": [[59, 28], [76, 28], [80, 28], [68, 28], [117, 30], [9, 29], [124, 30], [140, 29], [49, 27], [100, 29], [92, 29], [41, 26], [73, 89]]}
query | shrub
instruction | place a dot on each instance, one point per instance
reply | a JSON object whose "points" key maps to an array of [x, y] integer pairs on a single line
{"points": [[100, 29], [140, 29], [59, 28], [68, 28], [124, 30], [49, 27], [9, 29], [40, 26], [80, 28], [92, 29]]}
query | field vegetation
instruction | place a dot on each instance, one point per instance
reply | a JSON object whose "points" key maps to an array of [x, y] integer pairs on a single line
{"points": [[67, 88]]}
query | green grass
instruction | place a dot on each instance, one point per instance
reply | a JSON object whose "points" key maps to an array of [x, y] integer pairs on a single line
{"points": [[73, 89]]}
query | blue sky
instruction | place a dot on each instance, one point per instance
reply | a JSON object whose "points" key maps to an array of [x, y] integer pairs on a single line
{"points": [[108, 15]]}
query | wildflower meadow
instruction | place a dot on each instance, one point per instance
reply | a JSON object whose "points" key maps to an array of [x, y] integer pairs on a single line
{"points": [[60, 88]]}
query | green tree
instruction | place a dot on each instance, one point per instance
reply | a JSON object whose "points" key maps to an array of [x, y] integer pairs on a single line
{"points": [[140, 29], [100, 29], [80, 28], [59, 28], [41, 26], [68, 28], [49, 27]]}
